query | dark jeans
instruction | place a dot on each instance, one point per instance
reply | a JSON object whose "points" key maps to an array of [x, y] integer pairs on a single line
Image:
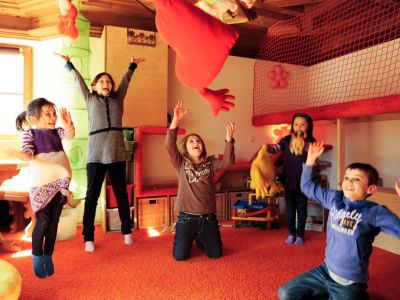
{"points": [[296, 202], [95, 175], [317, 283], [45, 232], [204, 229]]}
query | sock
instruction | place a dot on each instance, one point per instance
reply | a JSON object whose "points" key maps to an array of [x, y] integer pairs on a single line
{"points": [[290, 239], [128, 238], [89, 246], [38, 266], [48, 264], [299, 241]]}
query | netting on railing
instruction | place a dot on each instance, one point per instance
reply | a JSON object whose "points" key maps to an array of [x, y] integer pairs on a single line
{"points": [[338, 52]]}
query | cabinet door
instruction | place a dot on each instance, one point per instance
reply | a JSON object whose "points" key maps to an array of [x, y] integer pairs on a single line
{"points": [[317, 217]]}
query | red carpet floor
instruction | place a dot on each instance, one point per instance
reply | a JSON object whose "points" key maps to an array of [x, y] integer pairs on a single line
{"points": [[255, 263]]}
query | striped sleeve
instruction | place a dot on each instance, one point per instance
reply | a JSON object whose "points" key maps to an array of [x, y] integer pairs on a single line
{"points": [[65, 133], [62, 133], [277, 147], [27, 142], [274, 149]]}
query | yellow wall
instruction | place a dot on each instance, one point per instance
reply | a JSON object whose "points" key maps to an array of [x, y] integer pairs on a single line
{"points": [[146, 101]]}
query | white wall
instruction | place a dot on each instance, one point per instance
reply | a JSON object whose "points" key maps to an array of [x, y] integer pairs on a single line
{"points": [[237, 75], [376, 143], [371, 142]]}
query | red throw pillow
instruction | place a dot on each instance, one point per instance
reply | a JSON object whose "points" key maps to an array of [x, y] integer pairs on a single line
{"points": [[201, 42]]}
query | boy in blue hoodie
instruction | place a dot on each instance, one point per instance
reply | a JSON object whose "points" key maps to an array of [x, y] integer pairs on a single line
{"points": [[353, 224]]}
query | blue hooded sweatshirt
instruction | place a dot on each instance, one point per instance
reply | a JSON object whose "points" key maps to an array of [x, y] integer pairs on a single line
{"points": [[351, 228]]}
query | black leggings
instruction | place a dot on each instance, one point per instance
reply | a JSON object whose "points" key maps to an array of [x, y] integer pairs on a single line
{"points": [[95, 174], [45, 232], [296, 202]]}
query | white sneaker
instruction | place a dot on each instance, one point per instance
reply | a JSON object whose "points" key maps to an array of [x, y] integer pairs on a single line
{"points": [[128, 238], [89, 246]]}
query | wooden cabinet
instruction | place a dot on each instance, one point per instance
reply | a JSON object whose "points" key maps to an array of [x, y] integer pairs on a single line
{"points": [[317, 216]]}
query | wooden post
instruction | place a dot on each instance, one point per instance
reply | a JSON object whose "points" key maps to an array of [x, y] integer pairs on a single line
{"points": [[340, 136]]}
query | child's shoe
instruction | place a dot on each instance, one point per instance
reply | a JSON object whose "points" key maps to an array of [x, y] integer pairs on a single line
{"points": [[38, 266], [299, 241], [48, 264], [290, 240], [128, 238], [89, 246]]}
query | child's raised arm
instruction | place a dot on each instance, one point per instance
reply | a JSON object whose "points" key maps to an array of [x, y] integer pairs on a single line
{"points": [[63, 56], [315, 150], [179, 112], [230, 129], [67, 123], [137, 60], [397, 187]]}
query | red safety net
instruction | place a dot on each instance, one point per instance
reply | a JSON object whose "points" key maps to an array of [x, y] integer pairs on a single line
{"points": [[339, 59]]}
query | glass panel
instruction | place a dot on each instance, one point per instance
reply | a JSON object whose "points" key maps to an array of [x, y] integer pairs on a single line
{"points": [[13, 106], [11, 74], [11, 90]]}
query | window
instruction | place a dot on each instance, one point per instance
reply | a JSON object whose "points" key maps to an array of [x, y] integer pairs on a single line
{"points": [[15, 87]]}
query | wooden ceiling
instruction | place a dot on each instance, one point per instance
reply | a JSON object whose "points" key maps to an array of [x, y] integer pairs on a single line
{"points": [[36, 19]]}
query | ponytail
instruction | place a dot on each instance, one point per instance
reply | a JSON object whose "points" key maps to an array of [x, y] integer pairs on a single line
{"points": [[22, 121], [34, 110]]}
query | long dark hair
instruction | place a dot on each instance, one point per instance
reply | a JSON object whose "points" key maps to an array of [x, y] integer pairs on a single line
{"points": [[34, 110], [97, 77], [183, 150], [309, 123]]}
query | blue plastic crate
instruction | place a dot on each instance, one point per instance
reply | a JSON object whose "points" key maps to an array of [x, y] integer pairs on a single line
{"points": [[241, 204]]}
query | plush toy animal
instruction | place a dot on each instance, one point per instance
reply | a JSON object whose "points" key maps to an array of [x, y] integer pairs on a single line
{"points": [[218, 8], [66, 22], [201, 42], [262, 173]]}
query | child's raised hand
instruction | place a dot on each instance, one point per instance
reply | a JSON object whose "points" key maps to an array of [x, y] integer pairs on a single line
{"points": [[65, 117], [230, 129], [315, 150], [179, 111], [397, 187], [63, 56], [137, 60]]}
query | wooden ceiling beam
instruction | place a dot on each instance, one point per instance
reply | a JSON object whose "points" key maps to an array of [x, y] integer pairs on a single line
{"points": [[149, 4], [247, 44], [96, 31], [37, 19], [292, 11], [128, 6], [8, 8], [101, 19], [288, 3], [15, 22], [38, 8]]}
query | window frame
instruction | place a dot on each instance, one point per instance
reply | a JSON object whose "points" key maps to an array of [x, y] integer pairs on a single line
{"points": [[28, 79]]}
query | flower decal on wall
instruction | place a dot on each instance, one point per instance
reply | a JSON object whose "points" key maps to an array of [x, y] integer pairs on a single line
{"points": [[280, 132], [278, 77]]}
